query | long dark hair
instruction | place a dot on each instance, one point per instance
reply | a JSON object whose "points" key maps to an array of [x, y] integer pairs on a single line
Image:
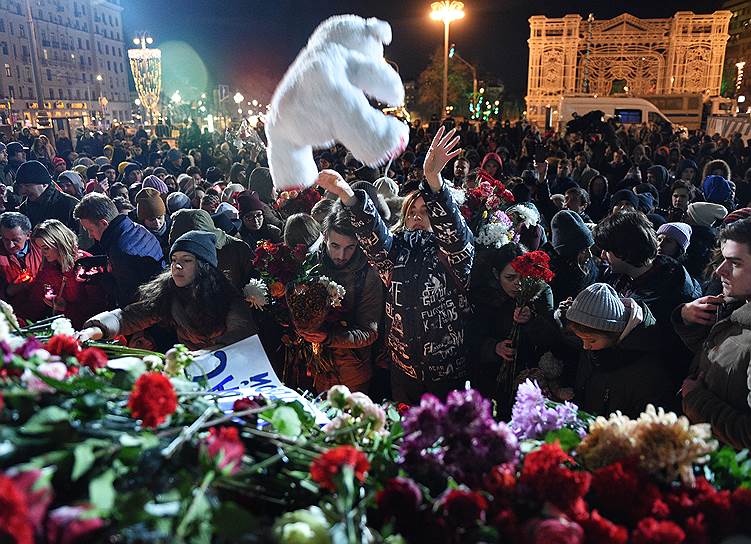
{"points": [[205, 303]]}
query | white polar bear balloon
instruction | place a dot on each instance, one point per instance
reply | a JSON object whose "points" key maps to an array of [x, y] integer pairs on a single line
{"points": [[322, 99]]}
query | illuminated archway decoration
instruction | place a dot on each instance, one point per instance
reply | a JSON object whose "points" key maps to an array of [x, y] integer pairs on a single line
{"points": [[146, 66]]}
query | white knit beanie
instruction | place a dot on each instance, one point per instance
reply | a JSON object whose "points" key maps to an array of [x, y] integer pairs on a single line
{"points": [[599, 307]]}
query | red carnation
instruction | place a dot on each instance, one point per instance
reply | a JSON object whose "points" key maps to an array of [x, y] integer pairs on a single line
{"points": [[402, 408], [248, 403], [696, 530], [651, 531], [547, 478], [63, 345], [92, 358], [598, 529], [623, 493], [501, 481], [742, 506], [225, 448], [14, 513], [329, 464], [152, 399], [718, 511], [464, 508]]}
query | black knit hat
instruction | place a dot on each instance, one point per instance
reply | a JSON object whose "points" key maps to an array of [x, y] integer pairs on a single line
{"points": [[625, 195], [200, 243], [33, 173], [570, 234]]}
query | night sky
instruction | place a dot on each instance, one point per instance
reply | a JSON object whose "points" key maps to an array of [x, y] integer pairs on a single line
{"points": [[248, 44]]}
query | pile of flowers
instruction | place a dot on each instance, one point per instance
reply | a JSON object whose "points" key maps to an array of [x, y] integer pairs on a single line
{"points": [[95, 450]]}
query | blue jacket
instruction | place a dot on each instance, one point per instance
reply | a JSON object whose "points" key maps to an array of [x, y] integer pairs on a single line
{"points": [[427, 306], [134, 254]]}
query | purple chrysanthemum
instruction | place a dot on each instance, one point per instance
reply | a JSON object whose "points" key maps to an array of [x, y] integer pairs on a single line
{"points": [[532, 418]]}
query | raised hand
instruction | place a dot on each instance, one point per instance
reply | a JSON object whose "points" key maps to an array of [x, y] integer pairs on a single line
{"points": [[441, 151], [332, 181]]}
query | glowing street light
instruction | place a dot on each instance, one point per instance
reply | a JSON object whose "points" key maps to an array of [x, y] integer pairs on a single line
{"points": [[238, 98], [255, 102], [176, 98], [446, 11]]}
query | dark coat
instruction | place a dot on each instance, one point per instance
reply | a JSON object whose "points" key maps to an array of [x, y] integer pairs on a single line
{"points": [[627, 376], [51, 204], [134, 254], [569, 278], [492, 322], [350, 338], [723, 353], [427, 306], [664, 287]]}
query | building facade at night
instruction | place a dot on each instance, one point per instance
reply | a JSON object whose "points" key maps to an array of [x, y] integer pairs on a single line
{"points": [[738, 49], [63, 59], [624, 56]]}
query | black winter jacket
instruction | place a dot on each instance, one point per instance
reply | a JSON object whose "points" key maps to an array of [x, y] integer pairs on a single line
{"points": [[427, 306]]}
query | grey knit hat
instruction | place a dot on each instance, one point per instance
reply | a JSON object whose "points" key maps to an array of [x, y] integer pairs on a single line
{"points": [[599, 307]]}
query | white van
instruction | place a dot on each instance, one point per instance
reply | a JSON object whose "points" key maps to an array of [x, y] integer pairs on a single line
{"points": [[629, 111]]}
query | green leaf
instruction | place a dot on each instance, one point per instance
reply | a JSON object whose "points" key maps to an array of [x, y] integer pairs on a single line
{"points": [[567, 438], [233, 522], [102, 492], [286, 421], [44, 419], [84, 458]]}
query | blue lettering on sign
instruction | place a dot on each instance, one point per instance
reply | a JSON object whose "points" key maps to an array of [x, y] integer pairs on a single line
{"points": [[217, 371]]}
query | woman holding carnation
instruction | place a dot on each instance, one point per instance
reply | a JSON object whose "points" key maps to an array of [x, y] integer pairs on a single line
{"points": [[496, 285], [193, 297], [59, 288]]}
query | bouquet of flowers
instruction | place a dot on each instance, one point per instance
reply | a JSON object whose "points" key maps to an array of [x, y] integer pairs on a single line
{"points": [[291, 202], [300, 299], [534, 269], [497, 231], [484, 200]]}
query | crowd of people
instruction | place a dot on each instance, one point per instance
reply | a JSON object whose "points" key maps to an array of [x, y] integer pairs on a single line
{"points": [[647, 232]]}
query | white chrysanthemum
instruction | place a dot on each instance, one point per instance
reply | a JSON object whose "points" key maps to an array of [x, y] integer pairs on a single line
{"points": [[493, 235], [521, 214], [458, 195], [256, 294], [4, 329], [336, 292], [62, 325]]}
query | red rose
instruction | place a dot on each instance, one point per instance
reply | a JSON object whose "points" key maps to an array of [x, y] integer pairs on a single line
{"points": [[501, 481], [225, 448], [651, 531], [464, 508], [14, 513], [546, 476], [329, 464], [598, 529], [70, 524], [152, 399], [63, 345], [557, 531], [92, 358], [398, 498]]}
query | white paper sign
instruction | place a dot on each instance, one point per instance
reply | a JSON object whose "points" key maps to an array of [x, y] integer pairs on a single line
{"points": [[243, 368]]}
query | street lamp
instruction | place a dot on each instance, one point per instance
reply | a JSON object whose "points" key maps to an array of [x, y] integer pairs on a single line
{"points": [[238, 98], [446, 11]]}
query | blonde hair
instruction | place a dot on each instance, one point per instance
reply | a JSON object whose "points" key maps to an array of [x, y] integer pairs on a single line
{"points": [[56, 235], [409, 201]]}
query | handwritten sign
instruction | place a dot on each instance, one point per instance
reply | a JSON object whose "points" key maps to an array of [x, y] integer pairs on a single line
{"points": [[243, 368]]}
